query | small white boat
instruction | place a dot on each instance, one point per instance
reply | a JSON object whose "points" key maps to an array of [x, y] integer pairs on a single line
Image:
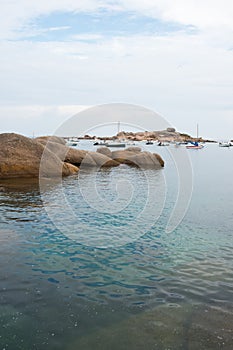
{"points": [[99, 143], [163, 144], [130, 143], [71, 143], [224, 144], [195, 147], [115, 144]]}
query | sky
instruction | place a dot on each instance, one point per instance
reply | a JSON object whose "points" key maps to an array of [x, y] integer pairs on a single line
{"points": [[59, 57]]}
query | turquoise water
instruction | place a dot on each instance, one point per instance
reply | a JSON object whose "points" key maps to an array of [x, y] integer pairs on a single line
{"points": [[159, 291]]}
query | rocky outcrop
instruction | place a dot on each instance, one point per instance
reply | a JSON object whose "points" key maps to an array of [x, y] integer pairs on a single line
{"points": [[45, 139], [95, 159], [80, 157], [134, 149], [103, 157], [21, 156], [170, 134], [104, 150], [69, 169], [171, 129], [139, 159], [66, 154]]}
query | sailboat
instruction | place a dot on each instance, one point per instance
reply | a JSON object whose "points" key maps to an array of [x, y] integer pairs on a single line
{"points": [[195, 145], [115, 143]]}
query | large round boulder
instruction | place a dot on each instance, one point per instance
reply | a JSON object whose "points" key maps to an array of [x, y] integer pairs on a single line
{"points": [[80, 157], [21, 156], [139, 159], [95, 159], [66, 154], [134, 149], [56, 139], [104, 150]]}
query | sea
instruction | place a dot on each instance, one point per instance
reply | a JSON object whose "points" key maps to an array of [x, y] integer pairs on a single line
{"points": [[120, 258]]}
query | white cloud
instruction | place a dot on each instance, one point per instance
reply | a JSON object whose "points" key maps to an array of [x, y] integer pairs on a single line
{"points": [[15, 15], [35, 119], [213, 18], [87, 37], [203, 14]]}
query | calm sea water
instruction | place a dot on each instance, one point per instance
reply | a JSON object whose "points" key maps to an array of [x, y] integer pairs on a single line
{"points": [[158, 291]]}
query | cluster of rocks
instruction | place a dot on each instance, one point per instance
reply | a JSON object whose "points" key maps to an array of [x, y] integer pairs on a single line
{"points": [[170, 134], [21, 156]]}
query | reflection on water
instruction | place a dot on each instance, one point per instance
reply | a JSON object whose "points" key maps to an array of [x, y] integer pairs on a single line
{"points": [[106, 209], [161, 291]]}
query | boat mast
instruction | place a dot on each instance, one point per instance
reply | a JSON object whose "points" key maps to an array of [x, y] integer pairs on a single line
{"points": [[197, 131], [118, 127]]}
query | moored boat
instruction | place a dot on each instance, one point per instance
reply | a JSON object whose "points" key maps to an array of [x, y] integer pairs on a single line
{"points": [[224, 144], [195, 147], [115, 144], [163, 144], [97, 143], [72, 143]]}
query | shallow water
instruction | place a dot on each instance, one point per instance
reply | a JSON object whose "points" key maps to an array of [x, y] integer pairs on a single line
{"points": [[156, 291]]}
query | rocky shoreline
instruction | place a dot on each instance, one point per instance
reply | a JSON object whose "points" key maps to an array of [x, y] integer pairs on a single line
{"points": [[168, 135], [49, 156]]}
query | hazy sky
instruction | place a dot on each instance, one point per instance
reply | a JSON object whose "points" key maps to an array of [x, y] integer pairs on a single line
{"points": [[174, 57]]}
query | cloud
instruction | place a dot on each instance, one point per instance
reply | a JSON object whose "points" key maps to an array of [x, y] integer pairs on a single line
{"points": [[205, 15], [35, 120], [186, 75], [16, 15], [87, 37]]}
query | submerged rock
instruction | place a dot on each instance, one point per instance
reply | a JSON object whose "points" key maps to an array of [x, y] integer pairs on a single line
{"points": [[160, 328], [172, 327], [21, 156]]}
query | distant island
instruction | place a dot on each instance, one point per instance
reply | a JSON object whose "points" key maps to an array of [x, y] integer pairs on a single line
{"points": [[168, 135]]}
